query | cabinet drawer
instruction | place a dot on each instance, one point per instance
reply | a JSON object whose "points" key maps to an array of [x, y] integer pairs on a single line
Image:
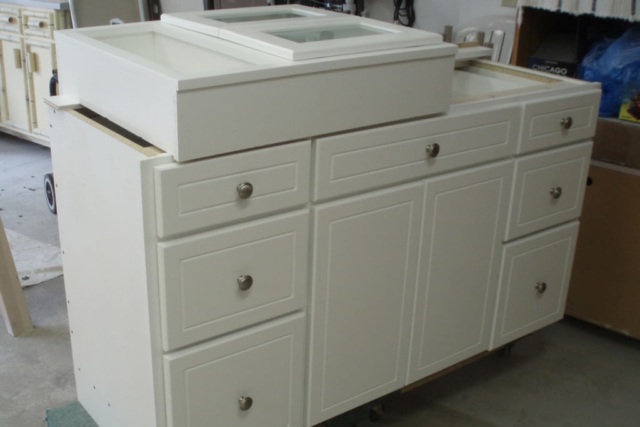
{"points": [[37, 23], [206, 193], [10, 20], [220, 281], [558, 121], [204, 385], [549, 189], [374, 158], [534, 283]]}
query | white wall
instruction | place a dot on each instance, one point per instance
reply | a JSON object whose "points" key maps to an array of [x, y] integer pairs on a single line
{"points": [[175, 6], [433, 15]]}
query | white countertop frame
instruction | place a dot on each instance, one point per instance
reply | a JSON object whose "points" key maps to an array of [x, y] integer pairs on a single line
{"points": [[261, 66], [205, 22]]}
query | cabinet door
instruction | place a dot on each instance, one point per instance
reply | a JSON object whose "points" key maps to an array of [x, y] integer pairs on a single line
{"points": [[365, 261], [40, 64], [464, 220], [13, 82]]}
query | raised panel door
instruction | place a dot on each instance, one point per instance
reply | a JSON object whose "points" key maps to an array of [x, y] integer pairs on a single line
{"points": [[464, 220], [14, 82], [40, 64], [365, 258]]}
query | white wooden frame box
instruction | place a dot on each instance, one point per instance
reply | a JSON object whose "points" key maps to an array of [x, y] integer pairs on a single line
{"points": [[179, 88], [281, 286], [212, 21]]}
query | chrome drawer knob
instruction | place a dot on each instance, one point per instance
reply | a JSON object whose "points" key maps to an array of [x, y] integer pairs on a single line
{"points": [[541, 287], [245, 190], [245, 403], [245, 282], [433, 150], [567, 122], [556, 192]]}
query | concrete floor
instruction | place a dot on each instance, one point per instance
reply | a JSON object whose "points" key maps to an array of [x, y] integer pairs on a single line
{"points": [[569, 374]]}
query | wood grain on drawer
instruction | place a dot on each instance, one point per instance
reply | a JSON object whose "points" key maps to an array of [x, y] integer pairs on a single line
{"points": [[205, 193], [220, 281], [548, 190], [375, 158], [204, 384], [546, 123], [534, 283]]}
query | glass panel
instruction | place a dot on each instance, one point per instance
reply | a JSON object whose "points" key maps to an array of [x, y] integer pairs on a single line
{"points": [[258, 16], [308, 35]]}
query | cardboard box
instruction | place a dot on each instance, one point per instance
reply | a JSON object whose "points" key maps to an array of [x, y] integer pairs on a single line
{"points": [[605, 284], [557, 54], [617, 142]]}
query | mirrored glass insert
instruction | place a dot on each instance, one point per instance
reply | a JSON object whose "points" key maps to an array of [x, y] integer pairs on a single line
{"points": [[309, 35], [258, 16]]}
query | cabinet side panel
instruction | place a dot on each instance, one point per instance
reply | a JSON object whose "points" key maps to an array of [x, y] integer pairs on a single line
{"points": [[99, 193]]}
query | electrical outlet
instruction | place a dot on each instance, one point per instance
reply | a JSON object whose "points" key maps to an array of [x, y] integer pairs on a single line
{"points": [[510, 3]]}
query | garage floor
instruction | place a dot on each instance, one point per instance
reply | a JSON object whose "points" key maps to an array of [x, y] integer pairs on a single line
{"points": [[570, 374]]}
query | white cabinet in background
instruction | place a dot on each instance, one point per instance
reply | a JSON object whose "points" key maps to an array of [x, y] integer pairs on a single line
{"points": [[465, 213], [364, 262], [27, 52], [13, 83], [40, 59]]}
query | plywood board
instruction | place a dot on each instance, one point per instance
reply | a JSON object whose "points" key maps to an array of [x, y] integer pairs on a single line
{"points": [[12, 302]]}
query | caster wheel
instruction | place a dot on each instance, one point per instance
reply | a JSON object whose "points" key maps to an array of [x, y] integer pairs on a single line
{"points": [[505, 352], [50, 193], [375, 413]]}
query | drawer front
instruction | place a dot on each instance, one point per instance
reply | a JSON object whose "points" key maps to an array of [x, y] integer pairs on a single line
{"points": [[534, 283], [220, 281], [38, 23], [10, 20], [252, 379], [207, 193], [374, 158], [549, 189], [558, 121]]}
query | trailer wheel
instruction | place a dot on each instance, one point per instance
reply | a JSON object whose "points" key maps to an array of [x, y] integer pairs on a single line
{"points": [[50, 193]]}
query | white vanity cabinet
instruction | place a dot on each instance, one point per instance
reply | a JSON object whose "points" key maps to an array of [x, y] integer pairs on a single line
{"points": [[27, 61], [284, 279]]}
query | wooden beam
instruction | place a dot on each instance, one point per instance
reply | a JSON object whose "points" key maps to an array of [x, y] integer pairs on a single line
{"points": [[12, 303]]}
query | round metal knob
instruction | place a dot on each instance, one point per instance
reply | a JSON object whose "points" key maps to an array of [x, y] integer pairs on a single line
{"points": [[245, 403], [245, 190], [433, 150], [556, 192], [541, 287], [567, 122], [245, 282]]}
